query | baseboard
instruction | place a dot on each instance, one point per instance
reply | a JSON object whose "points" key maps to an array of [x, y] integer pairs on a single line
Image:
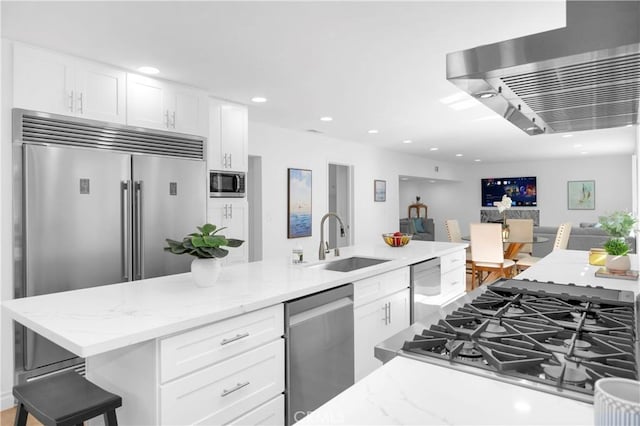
{"points": [[6, 401]]}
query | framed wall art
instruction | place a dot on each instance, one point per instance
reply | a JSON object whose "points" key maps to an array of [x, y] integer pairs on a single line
{"points": [[581, 194], [379, 190], [299, 203]]}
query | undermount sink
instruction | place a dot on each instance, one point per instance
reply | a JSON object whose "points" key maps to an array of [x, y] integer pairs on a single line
{"points": [[349, 264]]}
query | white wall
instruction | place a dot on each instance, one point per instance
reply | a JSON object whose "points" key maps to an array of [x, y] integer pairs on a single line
{"points": [[283, 148]]}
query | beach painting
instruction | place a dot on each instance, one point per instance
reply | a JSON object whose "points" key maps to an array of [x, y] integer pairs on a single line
{"points": [[299, 218], [581, 194]]}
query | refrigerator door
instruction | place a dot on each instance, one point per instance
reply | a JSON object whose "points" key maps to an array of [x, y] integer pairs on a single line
{"points": [[75, 227], [169, 202]]}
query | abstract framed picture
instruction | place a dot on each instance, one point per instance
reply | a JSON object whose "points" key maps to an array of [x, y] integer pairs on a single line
{"points": [[581, 194], [379, 190], [299, 203]]}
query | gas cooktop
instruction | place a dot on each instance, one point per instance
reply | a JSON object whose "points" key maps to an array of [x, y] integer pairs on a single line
{"points": [[552, 337]]}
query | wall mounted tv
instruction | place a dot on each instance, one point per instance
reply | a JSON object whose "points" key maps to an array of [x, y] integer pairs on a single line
{"points": [[521, 190]]}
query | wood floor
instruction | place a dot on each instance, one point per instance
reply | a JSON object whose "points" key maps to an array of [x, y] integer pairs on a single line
{"points": [[7, 417]]}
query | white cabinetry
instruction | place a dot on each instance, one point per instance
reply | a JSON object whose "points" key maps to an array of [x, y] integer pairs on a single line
{"points": [[61, 84], [234, 215], [162, 105], [228, 142], [381, 309], [231, 371]]}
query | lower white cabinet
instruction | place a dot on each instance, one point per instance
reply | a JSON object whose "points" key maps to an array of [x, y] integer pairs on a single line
{"points": [[378, 319], [230, 371], [226, 390]]}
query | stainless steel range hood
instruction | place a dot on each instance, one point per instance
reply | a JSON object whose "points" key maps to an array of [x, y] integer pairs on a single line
{"points": [[582, 77]]}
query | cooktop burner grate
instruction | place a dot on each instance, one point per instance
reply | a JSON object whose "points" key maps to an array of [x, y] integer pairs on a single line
{"points": [[566, 340]]}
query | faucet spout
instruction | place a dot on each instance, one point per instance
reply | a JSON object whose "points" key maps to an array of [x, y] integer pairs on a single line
{"points": [[323, 250]]}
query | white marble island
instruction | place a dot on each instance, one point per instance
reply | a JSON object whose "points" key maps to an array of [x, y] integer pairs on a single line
{"points": [[131, 334], [407, 391]]}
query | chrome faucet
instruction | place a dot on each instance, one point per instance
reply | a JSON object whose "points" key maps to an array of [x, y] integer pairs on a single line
{"points": [[322, 252]]}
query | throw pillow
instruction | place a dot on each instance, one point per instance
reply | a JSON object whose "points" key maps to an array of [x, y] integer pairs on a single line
{"points": [[418, 224]]}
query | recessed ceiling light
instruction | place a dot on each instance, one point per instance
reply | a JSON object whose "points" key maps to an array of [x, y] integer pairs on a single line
{"points": [[477, 160], [530, 128], [584, 152], [404, 178], [326, 119], [407, 141], [148, 70], [453, 98], [258, 99], [372, 131], [458, 155], [433, 149], [432, 181], [567, 136], [577, 145]]}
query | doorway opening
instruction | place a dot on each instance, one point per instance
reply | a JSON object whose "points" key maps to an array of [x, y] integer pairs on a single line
{"points": [[341, 202]]}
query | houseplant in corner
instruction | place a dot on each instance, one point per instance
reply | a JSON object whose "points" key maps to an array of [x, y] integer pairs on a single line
{"points": [[618, 225], [206, 246]]}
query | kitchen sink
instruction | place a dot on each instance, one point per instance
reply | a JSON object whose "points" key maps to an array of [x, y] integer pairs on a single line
{"points": [[349, 264]]}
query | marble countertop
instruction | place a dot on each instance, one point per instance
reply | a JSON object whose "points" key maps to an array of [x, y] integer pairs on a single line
{"points": [[99, 319], [572, 266], [409, 392]]}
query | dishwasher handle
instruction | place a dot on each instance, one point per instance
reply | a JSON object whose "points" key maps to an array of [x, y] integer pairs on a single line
{"points": [[320, 311]]}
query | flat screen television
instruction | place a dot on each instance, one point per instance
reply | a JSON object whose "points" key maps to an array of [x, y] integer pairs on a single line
{"points": [[521, 190]]}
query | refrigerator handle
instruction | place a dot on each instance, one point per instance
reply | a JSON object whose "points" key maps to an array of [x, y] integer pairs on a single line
{"points": [[138, 263], [125, 220]]}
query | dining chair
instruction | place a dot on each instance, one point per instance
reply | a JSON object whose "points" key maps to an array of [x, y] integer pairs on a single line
{"points": [[487, 253], [521, 230], [560, 243], [455, 236]]}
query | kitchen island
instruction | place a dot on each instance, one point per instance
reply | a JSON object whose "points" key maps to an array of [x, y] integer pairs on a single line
{"points": [[408, 391], [131, 333]]}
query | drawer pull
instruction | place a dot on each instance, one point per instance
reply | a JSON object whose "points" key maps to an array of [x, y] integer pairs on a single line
{"points": [[239, 386], [233, 339]]}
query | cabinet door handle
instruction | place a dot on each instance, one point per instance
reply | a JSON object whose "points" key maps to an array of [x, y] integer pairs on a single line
{"points": [[71, 101], [233, 339], [239, 386], [173, 119], [230, 161], [389, 312], [230, 211], [166, 118], [81, 101], [225, 211]]}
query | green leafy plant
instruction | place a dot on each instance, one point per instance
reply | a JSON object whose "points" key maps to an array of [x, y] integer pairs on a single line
{"points": [[205, 244], [618, 224], [616, 247]]}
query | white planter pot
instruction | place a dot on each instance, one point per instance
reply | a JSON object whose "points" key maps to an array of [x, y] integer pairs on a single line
{"points": [[205, 271], [618, 264]]}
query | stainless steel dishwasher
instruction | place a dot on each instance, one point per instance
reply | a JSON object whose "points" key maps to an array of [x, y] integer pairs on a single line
{"points": [[319, 349], [425, 281]]}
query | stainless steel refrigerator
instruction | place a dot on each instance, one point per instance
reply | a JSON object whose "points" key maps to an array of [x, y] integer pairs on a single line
{"points": [[98, 202]]}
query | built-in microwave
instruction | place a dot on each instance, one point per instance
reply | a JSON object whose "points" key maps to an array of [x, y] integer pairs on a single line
{"points": [[226, 184]]}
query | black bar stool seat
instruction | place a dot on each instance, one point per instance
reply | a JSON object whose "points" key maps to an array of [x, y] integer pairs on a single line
{"points": [[64, 399]]}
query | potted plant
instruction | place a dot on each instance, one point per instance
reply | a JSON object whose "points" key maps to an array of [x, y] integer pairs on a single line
{"points": [[207, 247], [618, 225]]}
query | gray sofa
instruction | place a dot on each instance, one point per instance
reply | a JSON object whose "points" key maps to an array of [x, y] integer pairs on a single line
{"points": [[408, 226], [583, 237]]}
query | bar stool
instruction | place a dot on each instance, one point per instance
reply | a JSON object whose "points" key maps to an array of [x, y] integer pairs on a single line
{"points": [[64, 399]]}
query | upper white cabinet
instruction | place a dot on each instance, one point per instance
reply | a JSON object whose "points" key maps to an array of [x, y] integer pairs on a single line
{"points": [[228, 141], [162, 105], [61, 84]]}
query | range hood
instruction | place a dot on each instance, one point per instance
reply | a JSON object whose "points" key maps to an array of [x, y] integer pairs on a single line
{"points": [[582, 77]]}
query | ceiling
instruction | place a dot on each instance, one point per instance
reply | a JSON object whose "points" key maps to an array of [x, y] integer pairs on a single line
{"points": [[369, 65]]}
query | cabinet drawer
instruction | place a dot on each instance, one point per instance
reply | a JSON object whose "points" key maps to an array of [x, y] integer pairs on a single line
{"points": [[453, 281], [192, 350], [268, 414], [453, 260], [227, 390], [370, 289]]}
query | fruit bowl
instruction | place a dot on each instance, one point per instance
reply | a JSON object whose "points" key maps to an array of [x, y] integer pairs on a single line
{"points": [[396, 239]]}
